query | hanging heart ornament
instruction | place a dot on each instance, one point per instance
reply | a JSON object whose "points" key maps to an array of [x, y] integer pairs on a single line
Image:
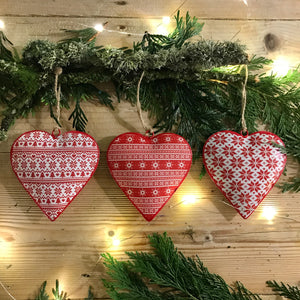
{"points": [[149, 169], [244, 168], [54, 169]]}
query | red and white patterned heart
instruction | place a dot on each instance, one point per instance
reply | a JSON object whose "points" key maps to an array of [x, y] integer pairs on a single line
{"points": [[244, 168], [53, 170], [149, 169]]}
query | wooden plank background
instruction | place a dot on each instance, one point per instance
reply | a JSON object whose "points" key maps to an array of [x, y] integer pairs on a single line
{"points": [[33, 250]]}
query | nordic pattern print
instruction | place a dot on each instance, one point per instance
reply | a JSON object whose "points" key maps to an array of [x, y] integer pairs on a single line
{"points": [[244, 168], [149, 169], [53, 170]]}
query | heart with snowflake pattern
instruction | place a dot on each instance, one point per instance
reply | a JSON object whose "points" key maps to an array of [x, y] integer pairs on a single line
{"points": [[54, 169], [244, 168], [149, 169]]}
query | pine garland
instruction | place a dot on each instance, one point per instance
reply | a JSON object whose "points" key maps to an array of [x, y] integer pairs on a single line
{"points": [[192, 88], [168, 274]]}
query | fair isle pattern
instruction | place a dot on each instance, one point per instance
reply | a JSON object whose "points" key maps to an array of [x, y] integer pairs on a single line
{"points": [[149, 169], [53, 170], [244, 168]]}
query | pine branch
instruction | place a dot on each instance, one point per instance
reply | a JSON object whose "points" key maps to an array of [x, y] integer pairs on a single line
{"points": [[57, 294], [167, 274], [79, 118], [5, 45], [42, 293], [291, 186], [90, 295], [86, 35], [287, 291]]}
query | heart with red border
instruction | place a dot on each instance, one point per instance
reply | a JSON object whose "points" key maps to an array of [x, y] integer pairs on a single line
{"points": [[244, 168], [54, 169], [149, 169]]}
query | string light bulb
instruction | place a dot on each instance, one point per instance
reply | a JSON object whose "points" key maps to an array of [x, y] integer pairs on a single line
{"points": [[162, 30], [2, 24], [188, 199], [269, 212], [280, 67], [99, 27], [116, 242], [166, 20]]}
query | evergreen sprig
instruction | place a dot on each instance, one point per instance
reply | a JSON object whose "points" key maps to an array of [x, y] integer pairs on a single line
{"points": [[167, 274], [285, 290]]}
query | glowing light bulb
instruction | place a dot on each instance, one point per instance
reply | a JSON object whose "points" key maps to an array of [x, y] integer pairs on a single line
{"points": [[166, 20], [4, 247], [99, 27], [280, 67], [162, 30], [2, 24], [116, 242], [269, 212], [188, 199]]}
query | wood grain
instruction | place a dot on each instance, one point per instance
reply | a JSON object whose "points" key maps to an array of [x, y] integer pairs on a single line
{"points": [[32, 249], [217, 9]]}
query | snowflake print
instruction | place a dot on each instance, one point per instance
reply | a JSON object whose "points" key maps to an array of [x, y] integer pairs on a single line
{"points": [[228, 151], [155, 140], [217, 161], [181, 165], [210, 150], [142, 193], [155, 192], [168, 139], [246, 175], [142, 165], [244, 198], [129, 139], [220, 139], [227, 174], [168, 191], [254, 187], [271, 163], [155, 165], [265, 150], [32, 165], [235, 185], [256, 140], [116, 165], [237, 140], [237, 162], [263, 175], [129, 192], [255, 163], [169, 164], [129, 165], [246, 151]]}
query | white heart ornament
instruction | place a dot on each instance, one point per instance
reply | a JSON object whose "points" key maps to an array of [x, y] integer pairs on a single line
{"points": [[54, 169], [244, 168]]}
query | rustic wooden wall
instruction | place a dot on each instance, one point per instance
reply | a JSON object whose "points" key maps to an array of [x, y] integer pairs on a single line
{"points": [[33, 250]]}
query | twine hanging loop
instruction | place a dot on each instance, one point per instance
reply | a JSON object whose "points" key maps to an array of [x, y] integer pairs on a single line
{"points": [[244, 101], [57, 91], [149, 130]]}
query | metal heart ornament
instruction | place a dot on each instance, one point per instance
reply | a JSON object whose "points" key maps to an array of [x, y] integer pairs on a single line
{"points": [[149, 169], [54, 169], [244, 168]]}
